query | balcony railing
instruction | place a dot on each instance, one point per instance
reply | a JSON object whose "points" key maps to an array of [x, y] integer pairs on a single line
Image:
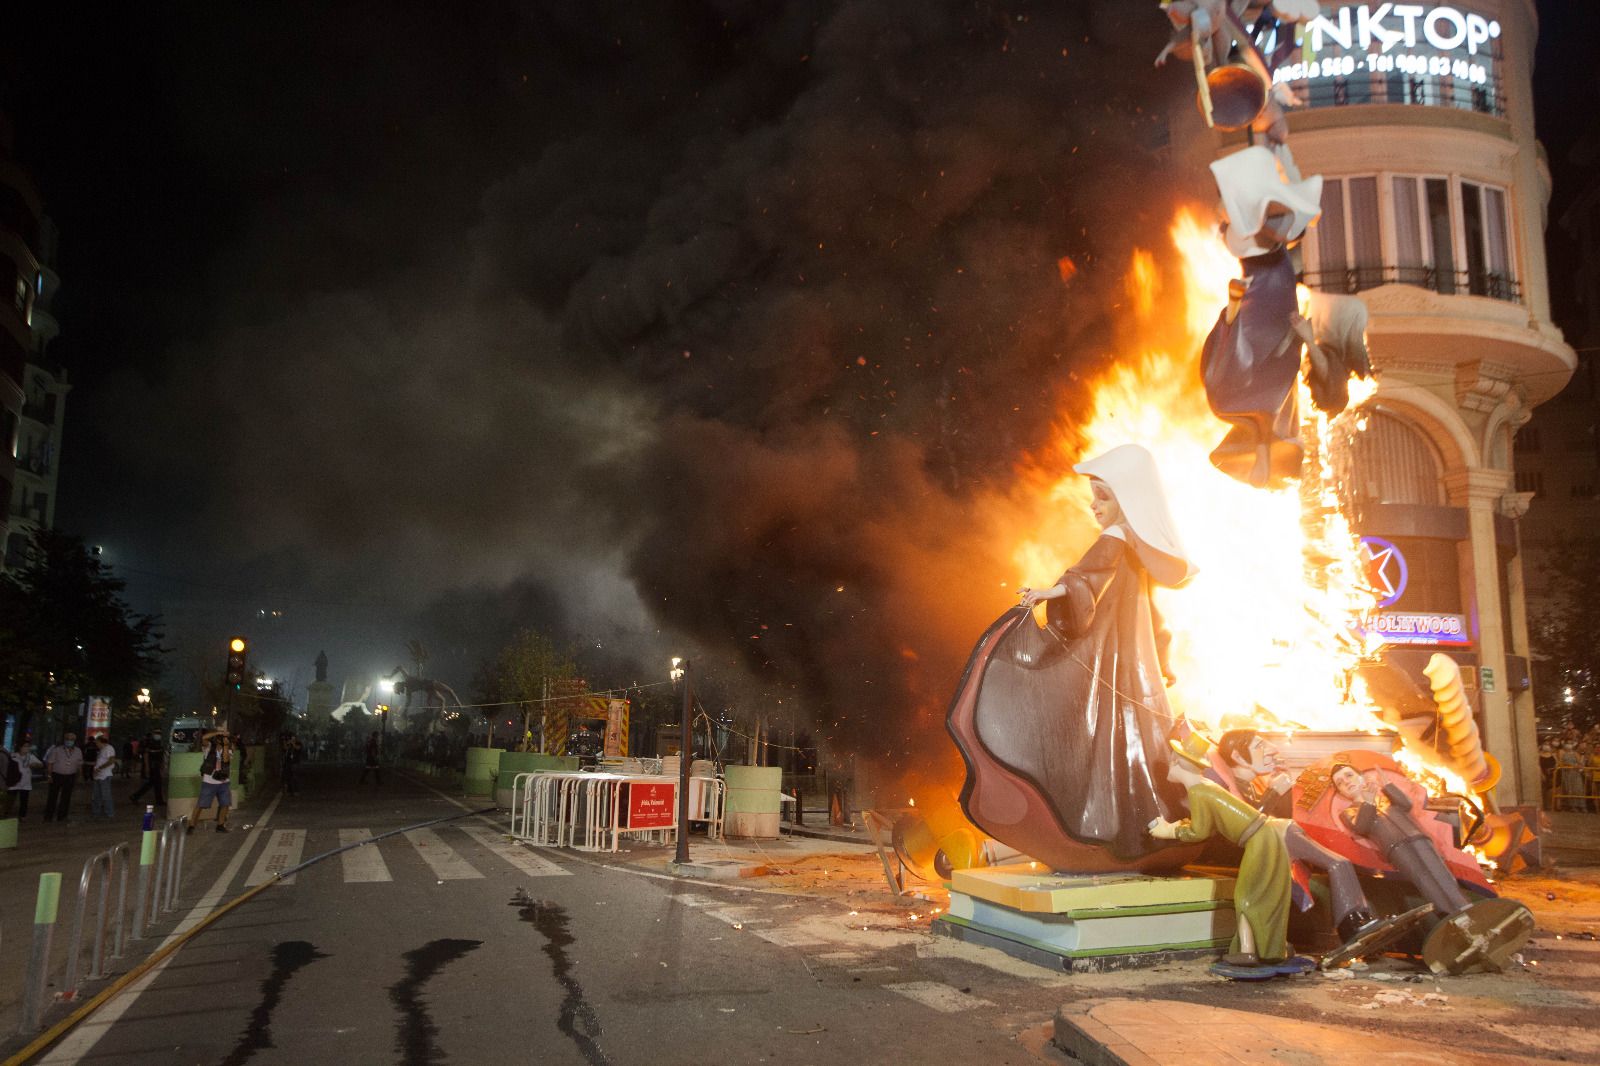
{"points": [[1396, 89], [1355, 279]]}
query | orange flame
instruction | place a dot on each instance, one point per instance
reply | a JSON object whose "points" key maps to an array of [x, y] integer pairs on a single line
{"points": [[1264, 635]]}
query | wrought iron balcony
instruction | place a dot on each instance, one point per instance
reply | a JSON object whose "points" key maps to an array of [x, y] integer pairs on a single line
{"points": [[1355, 279]]}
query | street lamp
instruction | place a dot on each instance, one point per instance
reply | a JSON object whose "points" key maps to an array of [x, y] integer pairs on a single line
{"points": [[680, 673]]}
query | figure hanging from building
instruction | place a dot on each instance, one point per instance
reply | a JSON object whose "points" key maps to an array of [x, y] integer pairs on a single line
{"points": [[1250, 363], [1063, 727]]}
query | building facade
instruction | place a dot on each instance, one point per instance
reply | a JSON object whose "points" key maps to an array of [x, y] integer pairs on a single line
{"points": [[1420, 119], [33, 386]]}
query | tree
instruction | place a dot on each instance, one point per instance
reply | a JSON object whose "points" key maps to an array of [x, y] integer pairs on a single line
{"points": [[1566, 671], [522, 673], [65, 632]]}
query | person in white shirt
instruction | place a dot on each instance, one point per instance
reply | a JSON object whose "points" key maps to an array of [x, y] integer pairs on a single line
{"points": [[215, 768], [24, 762], [63, 761], [105, 765]]}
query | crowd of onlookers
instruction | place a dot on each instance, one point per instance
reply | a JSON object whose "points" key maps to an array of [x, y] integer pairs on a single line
{"points": [[1569, 763], [63, 764]]}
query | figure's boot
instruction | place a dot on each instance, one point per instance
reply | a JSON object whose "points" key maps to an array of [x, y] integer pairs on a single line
{"points": [[1361, 934]]}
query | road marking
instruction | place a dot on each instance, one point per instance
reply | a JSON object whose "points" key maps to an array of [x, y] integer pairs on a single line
{"points": [[440, 857], [77, 1044], [941, 998], [789, 938], [838, 956], [281, 852], [523, 859], [737, 916], [362, 865], [877, 968]]}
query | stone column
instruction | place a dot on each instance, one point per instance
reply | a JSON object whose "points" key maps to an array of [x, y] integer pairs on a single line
{"points": [[1514, 505], [1478, 490]]}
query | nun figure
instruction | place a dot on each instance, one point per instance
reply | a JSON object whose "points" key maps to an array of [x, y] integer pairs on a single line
{"points": [[1251, 360], [1063, 726]]}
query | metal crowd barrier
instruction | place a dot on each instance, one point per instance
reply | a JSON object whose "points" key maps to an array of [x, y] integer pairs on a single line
{"points": [[556, 809], [1589, 781]]}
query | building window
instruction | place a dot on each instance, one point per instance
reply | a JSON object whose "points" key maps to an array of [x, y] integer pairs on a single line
{"points": [[1530, 481], [1394, 463], [1528, 439], [1582, 491], [1444, 234]]}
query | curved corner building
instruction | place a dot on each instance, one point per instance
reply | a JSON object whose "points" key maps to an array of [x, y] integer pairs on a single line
{"points": [[1420, 118]]}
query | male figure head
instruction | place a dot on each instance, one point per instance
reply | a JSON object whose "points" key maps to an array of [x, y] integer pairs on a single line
{"points": [[1348, 782], [69, 739], [1248, 754]]}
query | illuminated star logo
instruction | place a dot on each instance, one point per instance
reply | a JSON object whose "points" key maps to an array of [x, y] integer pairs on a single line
{"points": [[1386, 569]]}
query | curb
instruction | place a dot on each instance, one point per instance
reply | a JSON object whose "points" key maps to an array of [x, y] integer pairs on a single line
{"points": [[717, 869]]}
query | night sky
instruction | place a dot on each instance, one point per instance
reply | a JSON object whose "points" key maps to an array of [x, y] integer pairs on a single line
{"points": [[711, 328]]}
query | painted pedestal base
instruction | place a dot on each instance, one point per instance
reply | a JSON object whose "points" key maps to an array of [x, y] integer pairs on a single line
{"points": [[1090, 922]]}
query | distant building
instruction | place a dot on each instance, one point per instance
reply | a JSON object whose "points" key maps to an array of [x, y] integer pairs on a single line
{"points": [[33, 386], [1420, 119], [1558, 452]]}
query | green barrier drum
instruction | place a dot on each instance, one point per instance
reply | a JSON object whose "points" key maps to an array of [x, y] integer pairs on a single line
{"points": [[482, 764]]}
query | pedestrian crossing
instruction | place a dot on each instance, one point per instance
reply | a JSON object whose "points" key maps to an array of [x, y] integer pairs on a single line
{"points": [[449, 853]]}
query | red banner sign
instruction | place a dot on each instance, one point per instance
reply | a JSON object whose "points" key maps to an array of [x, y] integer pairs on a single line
{"points": [[651, 805]]}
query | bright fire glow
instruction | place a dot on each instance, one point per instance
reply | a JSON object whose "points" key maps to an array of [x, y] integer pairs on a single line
{"points": [[1265, 634]]}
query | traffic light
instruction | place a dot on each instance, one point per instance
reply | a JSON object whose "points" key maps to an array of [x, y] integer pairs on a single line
{"points": [[238, 648]]}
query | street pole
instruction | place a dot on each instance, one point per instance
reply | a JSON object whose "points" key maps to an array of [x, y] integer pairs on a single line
{"points": [[685, 756]]}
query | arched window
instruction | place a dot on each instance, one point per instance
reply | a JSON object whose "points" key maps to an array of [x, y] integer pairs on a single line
{"points": [[1393, 462]]}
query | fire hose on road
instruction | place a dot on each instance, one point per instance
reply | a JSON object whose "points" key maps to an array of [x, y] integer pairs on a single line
{"points": [[43, 1042]]}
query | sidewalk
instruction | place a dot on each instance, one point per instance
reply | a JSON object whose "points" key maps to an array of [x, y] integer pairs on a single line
{"points": [[63, 848], [1127, 1032]]}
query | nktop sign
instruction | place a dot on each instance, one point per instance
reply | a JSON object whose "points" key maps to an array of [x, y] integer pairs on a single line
{"points": [[1445, 29]]}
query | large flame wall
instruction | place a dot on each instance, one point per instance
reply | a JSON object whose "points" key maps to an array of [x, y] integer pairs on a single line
{"points": [[1259, 636]]}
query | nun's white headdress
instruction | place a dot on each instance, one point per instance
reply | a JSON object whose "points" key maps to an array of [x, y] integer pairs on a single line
{"points": [[1130, 472], [1250, 180]]}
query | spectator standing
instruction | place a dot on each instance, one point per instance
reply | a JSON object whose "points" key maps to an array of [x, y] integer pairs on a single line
{"points": [[152, 767], [63, 762], [215, 768], [293, 752], [105, 767], [1570, 763], [19, 780], [373, 763]]}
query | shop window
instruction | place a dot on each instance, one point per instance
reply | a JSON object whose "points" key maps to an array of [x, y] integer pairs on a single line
{"points": [[1433, 579]]}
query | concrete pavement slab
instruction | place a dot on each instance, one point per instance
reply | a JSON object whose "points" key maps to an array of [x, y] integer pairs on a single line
{"points": [[1157, 1032]]}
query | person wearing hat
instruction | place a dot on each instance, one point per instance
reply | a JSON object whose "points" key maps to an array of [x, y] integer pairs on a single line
{"points": [[215, 769], [1263, 889], [1062, 726]]}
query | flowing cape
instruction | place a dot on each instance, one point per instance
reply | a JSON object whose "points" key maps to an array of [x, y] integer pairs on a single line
{"points": [[1063, 728]]}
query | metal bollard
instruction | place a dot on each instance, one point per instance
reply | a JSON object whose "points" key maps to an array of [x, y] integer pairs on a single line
{"points": [[44, 923], [169, 867], [69, 984], [142, 897], [119, 943]]}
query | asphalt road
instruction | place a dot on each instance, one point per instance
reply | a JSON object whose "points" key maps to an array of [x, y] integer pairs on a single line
{"points": [[449, 945]]}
